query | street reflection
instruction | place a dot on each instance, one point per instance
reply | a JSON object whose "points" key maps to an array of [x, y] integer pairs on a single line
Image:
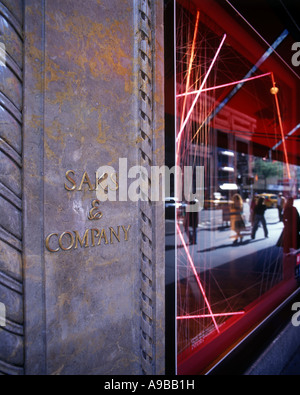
{"points": [[234, 276], [227, 115]]}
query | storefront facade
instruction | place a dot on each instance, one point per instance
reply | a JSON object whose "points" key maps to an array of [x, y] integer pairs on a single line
{"points": [[97, 274], [83, 284], [233, 112]]}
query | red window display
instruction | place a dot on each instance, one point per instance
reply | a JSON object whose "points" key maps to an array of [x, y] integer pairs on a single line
{"points": [[235, 117]]}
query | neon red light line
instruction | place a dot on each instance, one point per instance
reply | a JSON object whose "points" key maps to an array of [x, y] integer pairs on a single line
{"points": [[282, 131], [195, 317], [190, 66], [224, 85], [200, 90], [198, 279]]}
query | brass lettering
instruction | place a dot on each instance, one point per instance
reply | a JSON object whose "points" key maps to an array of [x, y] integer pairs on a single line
{"points": [[113, 233], [48, 242], [91, 238], [99, 181], [93, 232], [102, 182], [73, 182], [71, 243], [105, 187], [115, 182], [85, 239], [126, 231], [103, 236], [95, 214], [86, 180]]}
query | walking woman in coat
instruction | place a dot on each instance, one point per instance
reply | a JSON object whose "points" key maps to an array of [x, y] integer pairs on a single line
{"points": [[236, 216]]}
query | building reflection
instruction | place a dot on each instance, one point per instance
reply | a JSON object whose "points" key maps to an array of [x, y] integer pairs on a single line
{"points": [[236, 261]]}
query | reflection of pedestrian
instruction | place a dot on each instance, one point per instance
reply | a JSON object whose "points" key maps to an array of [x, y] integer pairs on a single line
{"points": [[280, 206], [236, 216], [252, 207], [291, 220], [191, 221], [259, 218]]}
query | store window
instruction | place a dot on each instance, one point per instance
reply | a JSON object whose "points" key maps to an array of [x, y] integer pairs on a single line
{"points": [[234, 256]]}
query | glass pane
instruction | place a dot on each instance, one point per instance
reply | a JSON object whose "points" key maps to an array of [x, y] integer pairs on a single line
{"points": [[237, 223]]}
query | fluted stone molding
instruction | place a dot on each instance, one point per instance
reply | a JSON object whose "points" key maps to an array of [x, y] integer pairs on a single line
{"points": [[151, 136], [11, 266]]}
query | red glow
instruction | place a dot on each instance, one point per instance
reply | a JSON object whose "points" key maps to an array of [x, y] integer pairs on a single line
{"points": [[281, 129], [200, 90], [190, 67], [215, 309], [198, 278], [225, 85], [195, 317]]}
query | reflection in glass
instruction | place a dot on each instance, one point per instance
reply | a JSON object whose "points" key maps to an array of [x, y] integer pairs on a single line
{"points": [[232, 253]]}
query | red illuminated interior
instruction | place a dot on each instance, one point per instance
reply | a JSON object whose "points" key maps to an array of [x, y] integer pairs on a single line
{"points": [[215, 51]]}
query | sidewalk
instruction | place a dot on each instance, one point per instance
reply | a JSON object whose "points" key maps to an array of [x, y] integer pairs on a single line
{"points": [[293, 366], [282, 357]]}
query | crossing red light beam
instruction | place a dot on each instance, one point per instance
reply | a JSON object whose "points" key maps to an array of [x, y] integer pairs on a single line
{"points": [[195, 317], [211, 315], [190, 66], [200, 91], [224, 85]]}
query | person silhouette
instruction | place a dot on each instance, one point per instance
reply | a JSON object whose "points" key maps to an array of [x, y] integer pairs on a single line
{"points": [[192, 221], [280, 205], [236, 216], [291, 221], [259, 218]]}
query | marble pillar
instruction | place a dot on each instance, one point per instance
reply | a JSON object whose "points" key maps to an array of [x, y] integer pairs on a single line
{"points": [[92, 272]]}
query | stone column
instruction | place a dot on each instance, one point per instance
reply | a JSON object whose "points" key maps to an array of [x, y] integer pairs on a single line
{"points": [[93, 272], [11, 104]]}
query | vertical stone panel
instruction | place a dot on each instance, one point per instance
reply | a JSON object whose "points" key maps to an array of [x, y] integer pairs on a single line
{"points": [[11, 281], [92, 96]]}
